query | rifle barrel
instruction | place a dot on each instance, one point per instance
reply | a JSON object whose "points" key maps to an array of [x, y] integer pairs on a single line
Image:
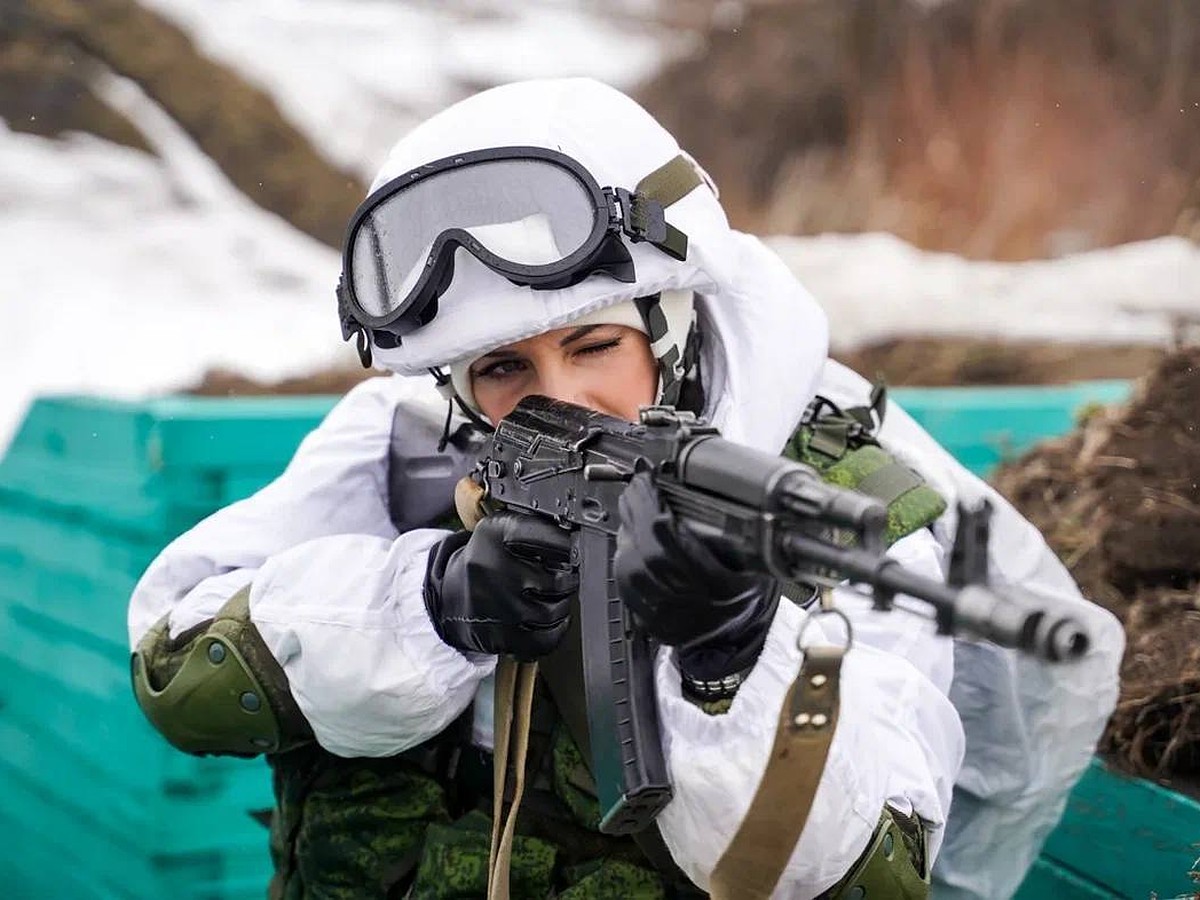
{"points": [[1008, 620]]}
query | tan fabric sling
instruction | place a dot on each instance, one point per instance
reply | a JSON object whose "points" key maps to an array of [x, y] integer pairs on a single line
{"points": [[514, 704], [756, 857]]}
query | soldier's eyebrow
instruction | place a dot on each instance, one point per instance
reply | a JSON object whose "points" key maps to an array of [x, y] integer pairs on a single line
{"points": [[581, 331], [500, 353]]}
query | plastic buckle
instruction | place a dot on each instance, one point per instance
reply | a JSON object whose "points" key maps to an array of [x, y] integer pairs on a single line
{"points": [[642, 219]]}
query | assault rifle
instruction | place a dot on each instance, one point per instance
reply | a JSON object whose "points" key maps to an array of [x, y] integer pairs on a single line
{"points": [[759, 512]]}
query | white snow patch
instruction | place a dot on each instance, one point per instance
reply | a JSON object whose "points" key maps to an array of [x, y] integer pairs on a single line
{"points": [[876, 286], [131, 276], [356, 76]]}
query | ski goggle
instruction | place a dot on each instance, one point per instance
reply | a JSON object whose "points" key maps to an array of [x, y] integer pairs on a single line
{"points": [[532, 215]]}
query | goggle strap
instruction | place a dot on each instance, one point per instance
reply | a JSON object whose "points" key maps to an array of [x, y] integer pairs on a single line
{"points": [[671, 181], [675, 244]]}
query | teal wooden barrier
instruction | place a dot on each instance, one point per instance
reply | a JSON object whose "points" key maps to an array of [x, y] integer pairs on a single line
{"points": [[983, 426], [95, 805]]}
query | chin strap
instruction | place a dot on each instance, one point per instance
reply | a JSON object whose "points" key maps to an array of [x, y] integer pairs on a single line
{"points": [[445, 387], [675, 363]]}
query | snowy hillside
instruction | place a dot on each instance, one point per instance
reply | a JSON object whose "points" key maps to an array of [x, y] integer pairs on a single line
{"points": [[131, 275], [875, 286]]}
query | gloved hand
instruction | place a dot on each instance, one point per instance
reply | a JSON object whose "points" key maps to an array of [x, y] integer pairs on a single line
{"points": [[505, 587], [683, 595]]}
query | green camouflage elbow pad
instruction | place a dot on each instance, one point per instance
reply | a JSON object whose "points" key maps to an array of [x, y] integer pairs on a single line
{"points": [[895, 863], [217, 689]]}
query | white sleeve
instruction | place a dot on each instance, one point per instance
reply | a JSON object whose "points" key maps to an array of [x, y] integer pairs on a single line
{"points": [[1031, 727], [336, 593], [898, 740], [346, 619]]}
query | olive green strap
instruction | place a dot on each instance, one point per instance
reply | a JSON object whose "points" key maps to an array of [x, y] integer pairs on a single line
{"points": [[756, 857], [668, 184], [889, 482], [671, 181], [513, 712]]}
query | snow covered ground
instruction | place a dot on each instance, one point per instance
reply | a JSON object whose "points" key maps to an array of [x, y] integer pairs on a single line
{"points": [[875, 286], [130, 275], [355, 74]]}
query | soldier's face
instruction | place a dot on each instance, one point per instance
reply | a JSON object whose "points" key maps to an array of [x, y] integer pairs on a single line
{"points": [[607, 368]]}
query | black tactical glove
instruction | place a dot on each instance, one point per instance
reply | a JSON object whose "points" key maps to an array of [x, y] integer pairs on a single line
{"points": [[683, 595], [505, 587]]}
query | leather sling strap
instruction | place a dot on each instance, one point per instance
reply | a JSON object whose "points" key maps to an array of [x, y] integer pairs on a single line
{"points": [[754, 861], [514, 706]]}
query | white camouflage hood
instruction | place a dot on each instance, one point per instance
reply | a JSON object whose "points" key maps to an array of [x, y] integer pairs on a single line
{"points": [[764, 339]]}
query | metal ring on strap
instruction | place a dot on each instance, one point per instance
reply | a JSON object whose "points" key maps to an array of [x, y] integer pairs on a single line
{"points": [[823, 611]]}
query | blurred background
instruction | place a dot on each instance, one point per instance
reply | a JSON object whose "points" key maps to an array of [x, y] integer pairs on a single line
{"points": [[990, 179], [1000, 193]]}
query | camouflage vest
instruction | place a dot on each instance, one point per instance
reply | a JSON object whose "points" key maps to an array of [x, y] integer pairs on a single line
{"points": [[418, 825]]}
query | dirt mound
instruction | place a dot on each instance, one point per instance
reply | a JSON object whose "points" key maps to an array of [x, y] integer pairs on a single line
{"points": [[46, 88], [954, 361], [997, 130], [225, 383], [1119, 501], [50, 51]]}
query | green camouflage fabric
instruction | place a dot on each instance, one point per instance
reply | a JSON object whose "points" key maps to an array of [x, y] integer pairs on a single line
{"points": [[613, 878], [917, 507], [343, 828], [381, 828], [454, 863], [573, 782]]}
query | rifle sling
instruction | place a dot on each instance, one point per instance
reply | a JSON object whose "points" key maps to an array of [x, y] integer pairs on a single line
{"points": [[514, 706], [756, 857]]}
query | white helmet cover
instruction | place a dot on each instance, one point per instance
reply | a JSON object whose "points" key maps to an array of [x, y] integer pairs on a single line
{"points": [[745, 294]]}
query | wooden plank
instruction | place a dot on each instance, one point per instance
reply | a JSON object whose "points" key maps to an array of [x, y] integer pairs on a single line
{"points": [[982, 426], [46, 539], [1049, 881], [58, 777], [58, 662], [217, 433], [41, 862], [1128, 834], [153, 467], [94, 612], [113, 736]]}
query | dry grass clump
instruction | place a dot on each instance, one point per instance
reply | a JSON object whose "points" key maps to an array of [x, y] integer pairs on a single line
{"points": [[958, 361], [227, 383], [1118, 500]]}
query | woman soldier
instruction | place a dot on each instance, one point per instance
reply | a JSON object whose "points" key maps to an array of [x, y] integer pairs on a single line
{"points": [[550, 237]]}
